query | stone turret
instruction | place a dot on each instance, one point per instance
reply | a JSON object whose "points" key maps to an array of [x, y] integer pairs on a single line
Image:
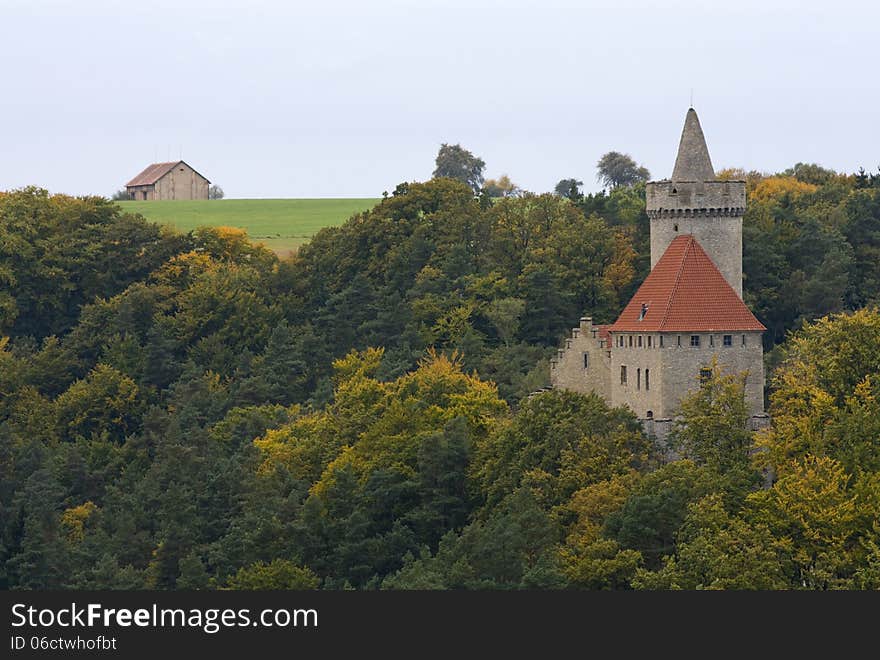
{"points": [[694, 202]]}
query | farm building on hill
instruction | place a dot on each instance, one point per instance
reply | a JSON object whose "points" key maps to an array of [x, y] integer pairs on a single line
{"points": [[175, 180]]}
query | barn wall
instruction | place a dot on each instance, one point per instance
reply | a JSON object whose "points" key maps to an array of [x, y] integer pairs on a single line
{"points": [[182, 182]]}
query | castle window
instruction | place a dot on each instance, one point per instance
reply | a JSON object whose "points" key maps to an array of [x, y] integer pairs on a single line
{"points": [[623, 374], [644, 311], [640, 341], [711, 340], [661, 341], [675, 227], [705, 375], [744, 340], [649, 341], [638, 379], [650, 414], [679, 341], [695, 340], [630, 341], [586, 360], [647, 379], [728, 340]]}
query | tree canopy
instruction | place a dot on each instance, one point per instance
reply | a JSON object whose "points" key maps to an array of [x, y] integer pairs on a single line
{"points": [[189, 411], [456, 162], [618, 170]]}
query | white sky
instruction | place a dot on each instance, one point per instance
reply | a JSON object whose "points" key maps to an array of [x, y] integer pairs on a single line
{"points": [[346, 99]]}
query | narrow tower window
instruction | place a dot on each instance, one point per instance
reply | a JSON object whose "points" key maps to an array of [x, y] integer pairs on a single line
{"points": [[638, 379], [623, 374], [586, 360], [640, 341], [647, 379]]}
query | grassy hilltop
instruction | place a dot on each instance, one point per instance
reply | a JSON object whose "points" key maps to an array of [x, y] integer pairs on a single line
{"points": [[280, 224]]}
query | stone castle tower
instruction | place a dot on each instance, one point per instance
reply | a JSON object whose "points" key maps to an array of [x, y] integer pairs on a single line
{"points": [[693, 202], [687, 314]]}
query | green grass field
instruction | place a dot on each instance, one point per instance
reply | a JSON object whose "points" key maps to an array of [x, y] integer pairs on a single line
{"points": [[280, 224]]}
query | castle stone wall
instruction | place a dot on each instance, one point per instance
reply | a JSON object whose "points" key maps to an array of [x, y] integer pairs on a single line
{"points": [[681, 366], [637, 360], [568, 370]]}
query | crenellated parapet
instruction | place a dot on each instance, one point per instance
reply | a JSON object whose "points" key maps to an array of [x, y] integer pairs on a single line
{"points": [[667, 198]]}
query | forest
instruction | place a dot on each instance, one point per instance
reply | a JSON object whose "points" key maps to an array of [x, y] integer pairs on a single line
{"points": [[189, 411]]}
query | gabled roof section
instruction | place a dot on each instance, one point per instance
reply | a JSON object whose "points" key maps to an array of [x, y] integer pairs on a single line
{"points": [[152, 173], [685, 292], [156, 171], [693, 162]]}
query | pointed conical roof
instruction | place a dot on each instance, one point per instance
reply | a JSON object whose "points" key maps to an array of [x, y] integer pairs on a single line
{"points": [[685, 292], [693, 162]]}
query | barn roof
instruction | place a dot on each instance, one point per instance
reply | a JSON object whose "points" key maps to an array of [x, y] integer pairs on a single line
{"points": [[156, 171], [685, 292]]}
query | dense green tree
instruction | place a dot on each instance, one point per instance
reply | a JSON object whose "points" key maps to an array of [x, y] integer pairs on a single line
{"points": [[456, 162], [619, 170], [655, 509], [718, 551], [570, 188]]}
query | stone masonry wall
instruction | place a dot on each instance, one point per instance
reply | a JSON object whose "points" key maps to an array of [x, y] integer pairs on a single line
{"points": [[568, 370], [637, 360], [681, 366]]}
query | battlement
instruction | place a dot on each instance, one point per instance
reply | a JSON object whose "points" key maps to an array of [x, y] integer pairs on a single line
{"points": [[695, 198]]}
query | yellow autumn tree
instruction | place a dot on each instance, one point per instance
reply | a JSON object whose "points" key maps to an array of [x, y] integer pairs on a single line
{"points": [[825, 397]]}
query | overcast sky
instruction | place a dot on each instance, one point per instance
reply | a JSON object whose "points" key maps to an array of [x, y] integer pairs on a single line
{"points": [[335, 98]]}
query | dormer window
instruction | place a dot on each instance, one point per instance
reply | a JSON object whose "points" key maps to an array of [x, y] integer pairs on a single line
{"points": [[644, 311]]}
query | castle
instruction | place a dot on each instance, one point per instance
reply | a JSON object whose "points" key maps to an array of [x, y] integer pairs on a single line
{"points": [[687, 314]]}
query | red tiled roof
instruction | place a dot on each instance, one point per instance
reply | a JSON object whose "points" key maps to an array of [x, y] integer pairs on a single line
{"points": [[685, 292], [603, 334], [152, 174]]}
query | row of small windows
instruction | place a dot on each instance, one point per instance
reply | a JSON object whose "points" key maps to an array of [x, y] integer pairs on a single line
{"points": [[636, 341], [705, 376], [638, 377]]}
